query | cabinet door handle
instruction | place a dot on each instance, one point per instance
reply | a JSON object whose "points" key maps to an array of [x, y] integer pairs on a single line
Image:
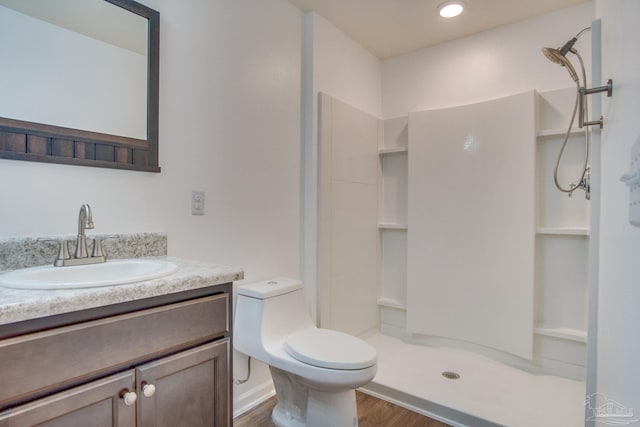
{"points": [[148, 390], [129, 397]]}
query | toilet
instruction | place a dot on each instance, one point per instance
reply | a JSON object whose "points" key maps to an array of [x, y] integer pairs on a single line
{"points": [[315, 371]]}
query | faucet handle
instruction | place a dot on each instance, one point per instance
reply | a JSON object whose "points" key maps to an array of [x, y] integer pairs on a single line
{"points": [[98, 251], [63, 249]]}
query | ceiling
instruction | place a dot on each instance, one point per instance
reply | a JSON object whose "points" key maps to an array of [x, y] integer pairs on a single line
{"points": [[389, 28]]}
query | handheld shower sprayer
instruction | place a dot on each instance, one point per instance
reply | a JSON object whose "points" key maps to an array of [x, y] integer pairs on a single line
{"points": [[569, 45], [559, 56], [556, 56]]}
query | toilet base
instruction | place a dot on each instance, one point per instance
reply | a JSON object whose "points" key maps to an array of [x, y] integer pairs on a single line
{"points": [[300, 406], [332, 409]]}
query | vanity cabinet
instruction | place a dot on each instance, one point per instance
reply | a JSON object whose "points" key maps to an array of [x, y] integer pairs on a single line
{"points": [[166, 365]]}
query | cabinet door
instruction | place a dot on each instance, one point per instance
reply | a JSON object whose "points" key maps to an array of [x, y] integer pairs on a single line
{"points": [[95, 404], [192, 388]]}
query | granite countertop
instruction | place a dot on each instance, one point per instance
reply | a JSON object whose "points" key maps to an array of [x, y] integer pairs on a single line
{"points": [[19, 305]]}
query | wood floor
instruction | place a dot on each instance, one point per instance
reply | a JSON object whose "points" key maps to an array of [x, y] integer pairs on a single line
{"points": [[372, 412]]}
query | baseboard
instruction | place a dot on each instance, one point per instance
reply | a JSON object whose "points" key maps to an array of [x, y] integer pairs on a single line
{"points": [[251, 398]]}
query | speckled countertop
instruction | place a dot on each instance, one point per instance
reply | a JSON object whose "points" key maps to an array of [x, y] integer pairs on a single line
{"points": [[19, 305]]}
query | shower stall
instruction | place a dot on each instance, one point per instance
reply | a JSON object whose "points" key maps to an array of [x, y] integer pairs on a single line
{"points": [[443, 241]]}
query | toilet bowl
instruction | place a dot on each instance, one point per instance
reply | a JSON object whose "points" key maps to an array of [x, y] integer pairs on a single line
{"points": [[315, 371]]}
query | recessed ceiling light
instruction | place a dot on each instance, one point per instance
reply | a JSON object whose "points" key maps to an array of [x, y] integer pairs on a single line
{"points": [[450, 9]]}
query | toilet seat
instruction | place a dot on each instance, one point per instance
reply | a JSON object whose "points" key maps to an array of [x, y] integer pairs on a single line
{"points": [[325, 348]]}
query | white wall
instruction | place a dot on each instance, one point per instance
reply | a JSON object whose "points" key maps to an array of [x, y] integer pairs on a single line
{"points": [[619, 284], [229, 125], [492, 64], [344, 69], [336, 65]]}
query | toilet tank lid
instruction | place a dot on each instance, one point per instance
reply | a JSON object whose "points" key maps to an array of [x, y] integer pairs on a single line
{"points": [[270, 288]]}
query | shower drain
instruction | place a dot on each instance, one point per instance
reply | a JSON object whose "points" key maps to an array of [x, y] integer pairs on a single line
{"points": [[451, 375]]}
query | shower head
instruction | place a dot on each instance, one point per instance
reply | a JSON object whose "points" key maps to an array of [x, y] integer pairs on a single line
{"points": [[557, 56]]}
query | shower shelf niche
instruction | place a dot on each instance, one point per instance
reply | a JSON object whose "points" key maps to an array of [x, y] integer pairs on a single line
{"points": [[392, 214], [563, 333], [563, 231], [391, 226], [552, 133], [562, 238], [392, 150], [391, 303]]}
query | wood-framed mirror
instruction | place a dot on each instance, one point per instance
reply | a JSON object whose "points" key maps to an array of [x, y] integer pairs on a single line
{"points": [[80, 92]]}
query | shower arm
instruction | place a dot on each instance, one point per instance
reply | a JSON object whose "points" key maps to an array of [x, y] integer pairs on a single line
{"points": [[583, 93]]}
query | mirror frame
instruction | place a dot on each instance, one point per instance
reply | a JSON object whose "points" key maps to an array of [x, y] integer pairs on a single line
{"points": [[23, 140]]}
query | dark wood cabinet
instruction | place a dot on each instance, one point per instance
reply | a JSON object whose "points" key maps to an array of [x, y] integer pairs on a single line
{"points": [[190, 388], [95, 404], [162, 366]]}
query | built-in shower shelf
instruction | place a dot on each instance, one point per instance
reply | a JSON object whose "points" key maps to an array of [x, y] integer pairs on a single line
{"points": [[550, 133], [392, 150], [563, 333], [391, 226], [392, 303], [563, 231]]}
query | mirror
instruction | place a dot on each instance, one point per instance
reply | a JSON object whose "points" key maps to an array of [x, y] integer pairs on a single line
{"points": [[80, 82]]}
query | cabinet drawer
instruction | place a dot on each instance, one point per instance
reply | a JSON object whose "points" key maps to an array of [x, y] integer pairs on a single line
{"points": [[40, 362]]}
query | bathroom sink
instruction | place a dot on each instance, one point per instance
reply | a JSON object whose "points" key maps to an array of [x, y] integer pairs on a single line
{"points": [[116, 272]]}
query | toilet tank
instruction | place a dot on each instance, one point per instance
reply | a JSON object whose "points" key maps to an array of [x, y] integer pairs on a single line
{"points": [[267, 312], [270, 288]]}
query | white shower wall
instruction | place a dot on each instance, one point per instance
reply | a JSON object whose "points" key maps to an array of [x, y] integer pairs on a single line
{"points": [[471, 223], [347, 235]]}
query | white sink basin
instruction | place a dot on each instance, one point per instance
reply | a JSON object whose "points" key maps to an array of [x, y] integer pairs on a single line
{"points": [[116, 272]]}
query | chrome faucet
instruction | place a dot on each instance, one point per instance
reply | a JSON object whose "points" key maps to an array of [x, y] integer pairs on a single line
{"points": [[81, 256]]}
